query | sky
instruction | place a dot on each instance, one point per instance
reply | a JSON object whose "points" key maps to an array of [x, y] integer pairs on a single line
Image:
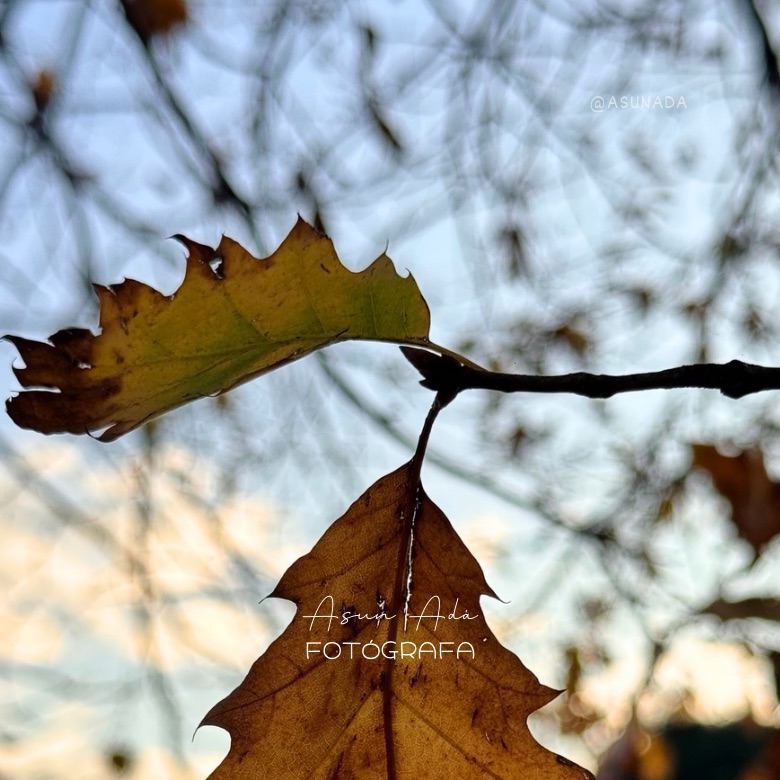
{"points": [[129, 570]]}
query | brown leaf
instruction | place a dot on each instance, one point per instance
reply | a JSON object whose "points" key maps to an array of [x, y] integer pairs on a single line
{"points": [[683, 751], [765, 608], [572, 336], [730, 247], [452, 702], [233, 318], [151, 18], [120, 760], [42, 88], [754, 498]]}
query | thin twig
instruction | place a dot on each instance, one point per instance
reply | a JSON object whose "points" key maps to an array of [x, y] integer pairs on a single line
{"points": [[449, 466], [734, 380]]}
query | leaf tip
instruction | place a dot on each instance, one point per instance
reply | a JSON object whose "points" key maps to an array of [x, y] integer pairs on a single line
{"points": [[192, 247]]}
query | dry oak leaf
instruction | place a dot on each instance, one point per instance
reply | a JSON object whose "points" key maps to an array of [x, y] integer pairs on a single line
{"points": [[329, 701], [754, 498], [233, 317], [150, 18]]}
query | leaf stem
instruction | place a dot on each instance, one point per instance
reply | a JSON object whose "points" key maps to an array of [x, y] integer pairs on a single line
{"points": [[403, 578]]}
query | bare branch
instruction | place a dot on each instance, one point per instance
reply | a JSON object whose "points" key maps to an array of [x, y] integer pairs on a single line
{"points": [[734, 379]]}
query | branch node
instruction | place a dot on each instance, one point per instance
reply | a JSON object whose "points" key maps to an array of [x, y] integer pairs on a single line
{"points": [[441, 373]]}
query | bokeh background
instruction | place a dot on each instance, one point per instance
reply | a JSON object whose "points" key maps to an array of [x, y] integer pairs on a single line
{"points": [[575, 185]]}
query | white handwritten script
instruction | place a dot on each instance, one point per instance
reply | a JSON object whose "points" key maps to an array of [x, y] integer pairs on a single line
{"points": [[432, 611]]}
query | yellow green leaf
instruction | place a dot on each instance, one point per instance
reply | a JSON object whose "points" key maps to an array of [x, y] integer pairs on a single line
{"points": [[233, 318]]}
